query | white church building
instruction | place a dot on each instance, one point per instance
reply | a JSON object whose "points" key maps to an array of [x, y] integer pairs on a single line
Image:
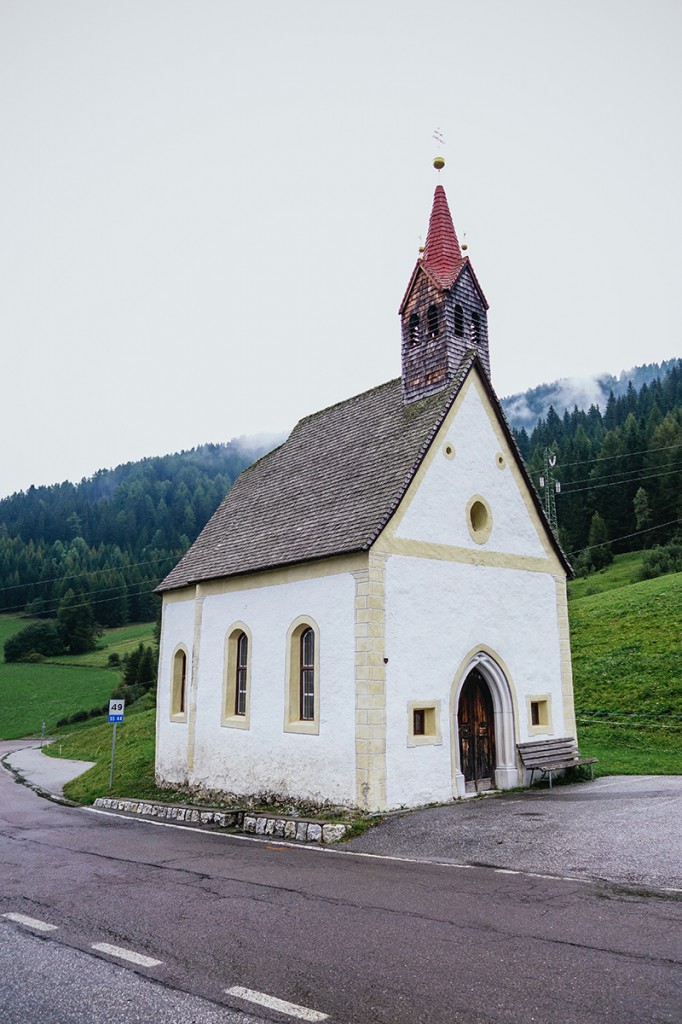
{"points": [[376, 614]]}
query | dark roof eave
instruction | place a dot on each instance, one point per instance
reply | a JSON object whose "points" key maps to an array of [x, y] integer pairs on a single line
{"points": [[355, 550]]}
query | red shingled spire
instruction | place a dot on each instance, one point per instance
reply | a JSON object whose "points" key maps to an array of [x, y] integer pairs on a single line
{"points": [[442, 254]]}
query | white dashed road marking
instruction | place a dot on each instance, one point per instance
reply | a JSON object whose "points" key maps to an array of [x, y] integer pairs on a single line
{"points": [[31, 922], [126, 954], [302, 1012]]}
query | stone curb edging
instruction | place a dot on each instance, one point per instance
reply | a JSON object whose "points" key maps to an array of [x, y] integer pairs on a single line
{"points": [[302, 830]]}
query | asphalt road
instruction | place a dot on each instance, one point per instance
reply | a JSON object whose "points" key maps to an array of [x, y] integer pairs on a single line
{"points": [[358, 938]]}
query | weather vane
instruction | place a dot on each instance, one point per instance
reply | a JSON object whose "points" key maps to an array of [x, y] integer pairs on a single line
{"points": [[439, 162]]}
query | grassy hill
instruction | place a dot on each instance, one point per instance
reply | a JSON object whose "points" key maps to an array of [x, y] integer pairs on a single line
{"points": [[59, 687], [627, 668]]}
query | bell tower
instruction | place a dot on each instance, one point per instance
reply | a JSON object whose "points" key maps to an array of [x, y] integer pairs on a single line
{"points": [[444, 313]]}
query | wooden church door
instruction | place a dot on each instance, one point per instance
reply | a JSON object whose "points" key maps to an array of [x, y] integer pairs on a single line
{"points": [[476, 733]]}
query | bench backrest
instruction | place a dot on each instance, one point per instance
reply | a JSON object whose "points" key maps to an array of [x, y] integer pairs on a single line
{"points": [[538, 752]]}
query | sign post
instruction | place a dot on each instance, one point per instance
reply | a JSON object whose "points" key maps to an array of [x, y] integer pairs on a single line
{"points": [[116, 709]]}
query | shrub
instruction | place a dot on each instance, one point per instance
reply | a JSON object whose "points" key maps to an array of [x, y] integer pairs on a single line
{"points": [[37, 638], [33, 658], [662, 559]]}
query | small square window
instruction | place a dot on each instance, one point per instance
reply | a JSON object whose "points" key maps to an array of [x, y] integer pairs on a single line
{"points": [[539, 714], [423, 723]]}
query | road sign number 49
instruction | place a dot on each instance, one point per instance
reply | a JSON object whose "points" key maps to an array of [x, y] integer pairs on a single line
{"points": [[116, 709]]}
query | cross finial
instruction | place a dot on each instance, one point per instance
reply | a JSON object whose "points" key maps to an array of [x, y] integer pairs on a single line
{"points": [[439, 162]]}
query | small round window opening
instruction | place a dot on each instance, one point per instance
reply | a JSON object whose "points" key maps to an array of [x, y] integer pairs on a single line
{"points": [[448, 450], [479, 519], [501, 461]]}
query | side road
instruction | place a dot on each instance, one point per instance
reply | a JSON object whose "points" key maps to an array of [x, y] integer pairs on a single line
{"points": [[624, 829]]}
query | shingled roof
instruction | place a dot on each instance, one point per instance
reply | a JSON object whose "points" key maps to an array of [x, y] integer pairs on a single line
{"points": [[332, 487], [328, 490]]}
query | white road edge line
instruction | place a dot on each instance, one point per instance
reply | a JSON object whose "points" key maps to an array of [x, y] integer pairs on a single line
{"points": [[126, 954], [281, 1005], [31, 922]]}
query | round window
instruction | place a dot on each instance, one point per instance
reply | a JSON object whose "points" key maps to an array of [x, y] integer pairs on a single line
{"points": [[479, 519]]}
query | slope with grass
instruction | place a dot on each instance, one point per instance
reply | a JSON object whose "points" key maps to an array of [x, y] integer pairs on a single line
{"points": [[31, 694], [627, 669]]}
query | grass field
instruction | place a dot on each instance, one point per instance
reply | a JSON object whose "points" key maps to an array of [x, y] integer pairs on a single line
{"points": [[624, 570], [627, 673], [59, 687]]}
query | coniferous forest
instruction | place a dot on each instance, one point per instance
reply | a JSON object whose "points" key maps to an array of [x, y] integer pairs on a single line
{"points": [[111, 538], [105, 543], [619, 470]]}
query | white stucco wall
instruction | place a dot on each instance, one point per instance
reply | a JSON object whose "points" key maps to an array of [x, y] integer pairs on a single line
{"points": [[265, 758], [440, 608], [171, 737], [454, 610], [437, 511]]}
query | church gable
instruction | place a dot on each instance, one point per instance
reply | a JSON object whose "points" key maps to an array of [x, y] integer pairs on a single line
{"points": [[470, 499]]}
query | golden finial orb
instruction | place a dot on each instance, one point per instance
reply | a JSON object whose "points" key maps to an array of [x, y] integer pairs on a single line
{"points": [[439, 163]]}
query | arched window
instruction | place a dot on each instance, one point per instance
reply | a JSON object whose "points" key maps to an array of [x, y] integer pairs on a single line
{"points": [[237, 677], [432, 320], [307, 682], [475, 328], [414, 329], [302, 696], [459, 321], [179, 685], [240, 675]]}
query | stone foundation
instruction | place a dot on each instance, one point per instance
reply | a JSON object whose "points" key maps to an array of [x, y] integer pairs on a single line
{"points": [[302, 830]]}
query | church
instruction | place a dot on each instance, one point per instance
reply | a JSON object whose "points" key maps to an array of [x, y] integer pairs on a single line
{"points": [[376, 614]]}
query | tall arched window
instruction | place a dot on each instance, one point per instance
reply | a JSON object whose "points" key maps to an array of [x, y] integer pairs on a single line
{"points": [[179, 684], [302, 693], [475, 328], [240, 674], [459, 321], [432, 320], [237, 677], [414, 329], [307, 683]]}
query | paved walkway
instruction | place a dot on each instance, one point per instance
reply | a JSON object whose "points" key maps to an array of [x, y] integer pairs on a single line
{"points": [[47, 773]]}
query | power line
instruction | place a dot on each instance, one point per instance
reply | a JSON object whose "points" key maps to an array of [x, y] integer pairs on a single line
{"points": [[622, 455], [626, 536], [616, 483]]}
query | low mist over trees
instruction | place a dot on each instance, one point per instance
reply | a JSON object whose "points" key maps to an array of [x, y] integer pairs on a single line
{"points": [[110, 539], [620, 470]]}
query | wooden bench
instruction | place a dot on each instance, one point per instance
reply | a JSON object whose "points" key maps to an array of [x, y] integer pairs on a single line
{"points": [[549, 756]]}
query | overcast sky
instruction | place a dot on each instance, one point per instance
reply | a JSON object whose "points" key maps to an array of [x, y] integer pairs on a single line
{"points": [[210, 209]]}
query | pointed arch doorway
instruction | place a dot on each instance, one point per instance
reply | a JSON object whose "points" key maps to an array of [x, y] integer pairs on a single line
{"points": [[483, 738], [476, 720]]}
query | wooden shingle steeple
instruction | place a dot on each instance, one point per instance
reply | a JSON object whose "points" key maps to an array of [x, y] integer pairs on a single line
{"points": [[444, 311]]}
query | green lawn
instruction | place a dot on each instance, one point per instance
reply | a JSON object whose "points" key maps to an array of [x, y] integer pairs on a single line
{"points": [[33, 694], [59, 687], [624, 570], [627, 672]]}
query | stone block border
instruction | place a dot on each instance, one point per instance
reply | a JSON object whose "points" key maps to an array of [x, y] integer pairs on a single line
{"points": [[300, 829]]}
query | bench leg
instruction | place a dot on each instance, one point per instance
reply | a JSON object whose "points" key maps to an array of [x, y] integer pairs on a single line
{"points": [[550, 779], [592, 772]]}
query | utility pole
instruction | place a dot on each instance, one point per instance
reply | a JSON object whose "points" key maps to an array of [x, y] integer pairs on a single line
{"points": [[551, 488]]}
